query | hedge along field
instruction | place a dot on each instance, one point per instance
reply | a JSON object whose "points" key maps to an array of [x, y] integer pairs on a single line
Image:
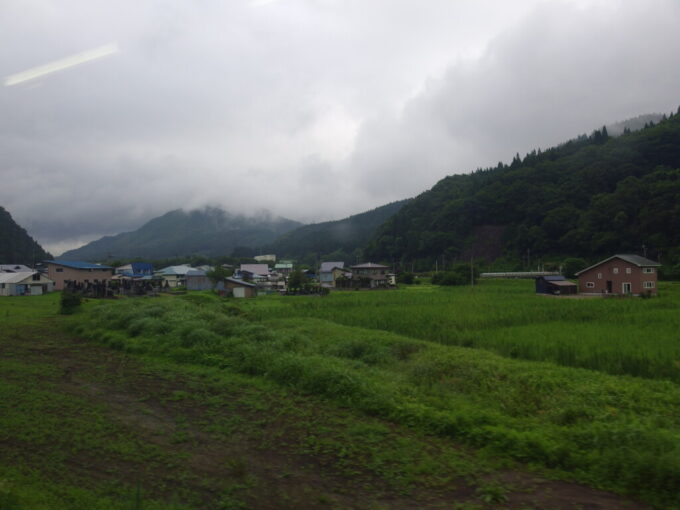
{"points": [[633, 336], [617, 432]]}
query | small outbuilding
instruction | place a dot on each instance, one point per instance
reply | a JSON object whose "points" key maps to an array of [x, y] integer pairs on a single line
{"points": [[240, 288], [198, 280], [25, 283], [555, 285]]}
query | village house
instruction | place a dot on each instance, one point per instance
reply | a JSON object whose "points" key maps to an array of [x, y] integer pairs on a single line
{"points": [[79, 273], [329, 272], [285, 267], [620, 275], [253, 271], [240, 288], [175, 276], [367, 275], [137, 278], [555, 285], [24, 283]]}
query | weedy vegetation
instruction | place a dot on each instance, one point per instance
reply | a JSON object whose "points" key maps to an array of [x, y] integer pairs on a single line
{"points": [[594, 399]]}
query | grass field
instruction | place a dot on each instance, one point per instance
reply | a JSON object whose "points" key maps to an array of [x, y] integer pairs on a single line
{"points": [[618, 336], [382, 385]]}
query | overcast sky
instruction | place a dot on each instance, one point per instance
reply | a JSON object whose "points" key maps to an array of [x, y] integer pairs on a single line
{"points": [[312, 109]]}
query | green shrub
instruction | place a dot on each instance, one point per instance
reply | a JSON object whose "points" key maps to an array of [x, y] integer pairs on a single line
{"points": [[69, 302]]}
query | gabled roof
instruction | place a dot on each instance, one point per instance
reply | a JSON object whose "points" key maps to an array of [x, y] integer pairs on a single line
{"points": [[142, 267], [261, 269], [76, 264], [636, 260], [327, 267], [135, 269], [14, 268], [176, 270], [19, 277], [195, 272], [563, 283], [240, 282], [370, 265]]}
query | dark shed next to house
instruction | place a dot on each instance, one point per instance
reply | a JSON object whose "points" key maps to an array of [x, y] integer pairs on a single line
{"points": [[555, 285]]}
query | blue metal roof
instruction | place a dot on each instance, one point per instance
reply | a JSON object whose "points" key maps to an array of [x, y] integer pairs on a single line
{"points": [[142, 267], [75, 264]]}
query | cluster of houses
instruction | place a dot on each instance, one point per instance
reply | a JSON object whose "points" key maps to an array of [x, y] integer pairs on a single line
{"points": [[140, 278], [617, 275]]}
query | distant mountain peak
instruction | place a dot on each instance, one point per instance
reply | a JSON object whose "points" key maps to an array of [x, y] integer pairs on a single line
{"points": [[209, 231]]}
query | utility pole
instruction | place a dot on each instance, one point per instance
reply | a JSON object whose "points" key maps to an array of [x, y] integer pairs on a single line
{"points": [[529, 259], [472, 273]]}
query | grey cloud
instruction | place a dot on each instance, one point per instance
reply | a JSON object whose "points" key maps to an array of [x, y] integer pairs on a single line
{"points": [[311, 109], [562, 71]]}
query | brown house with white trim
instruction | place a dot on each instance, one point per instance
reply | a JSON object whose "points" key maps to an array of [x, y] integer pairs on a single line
{"points": [[620, 275]]}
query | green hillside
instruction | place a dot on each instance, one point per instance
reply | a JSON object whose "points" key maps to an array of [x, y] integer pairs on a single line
{"points": [[592, 196], [209, 232], [334, 240], [16, 246]]}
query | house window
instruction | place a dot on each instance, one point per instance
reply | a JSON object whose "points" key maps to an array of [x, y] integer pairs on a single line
{"points": [[60, 270], [2, 285], [36, 277], [590, 285], [615, 270], [648, 285], [647, 270], [628, 270], [599, 276]]}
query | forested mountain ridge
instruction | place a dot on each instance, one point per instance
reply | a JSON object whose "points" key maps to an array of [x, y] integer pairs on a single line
{"points": [[333, 240], [16, 246], [208, 232], [592, 196]]}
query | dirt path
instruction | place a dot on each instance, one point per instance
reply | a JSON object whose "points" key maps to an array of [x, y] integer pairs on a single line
{"points": [[194, 438]]}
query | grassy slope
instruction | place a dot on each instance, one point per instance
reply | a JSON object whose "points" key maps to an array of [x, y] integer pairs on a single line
{"points": [[615, 431], [85, 426]]}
